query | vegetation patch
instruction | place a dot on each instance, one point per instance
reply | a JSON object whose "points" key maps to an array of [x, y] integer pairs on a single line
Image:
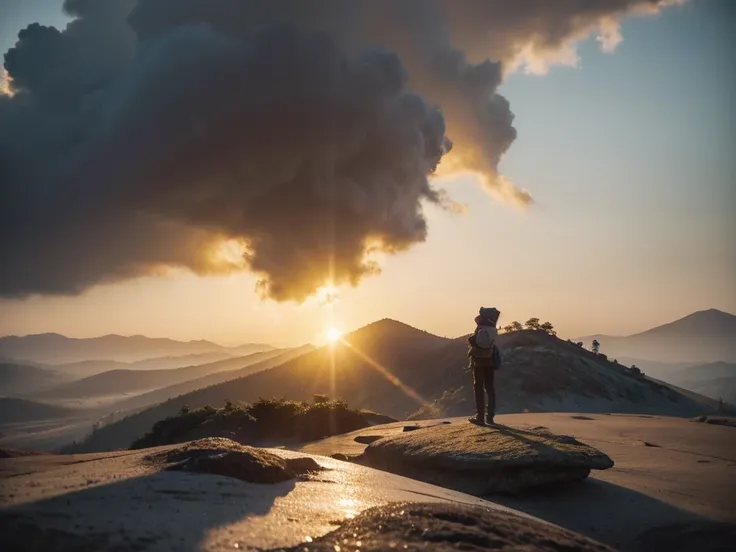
{"points": [[264, 420]]}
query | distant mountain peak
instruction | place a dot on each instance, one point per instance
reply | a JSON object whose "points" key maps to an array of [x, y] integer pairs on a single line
{"points": [[389, 326], [703, 336], [710, 320]]}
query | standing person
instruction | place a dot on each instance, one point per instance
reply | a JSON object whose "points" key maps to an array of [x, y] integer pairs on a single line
{"points": [[485, 359]]}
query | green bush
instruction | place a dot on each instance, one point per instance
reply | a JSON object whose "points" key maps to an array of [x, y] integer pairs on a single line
{"points": [[264, 419]]}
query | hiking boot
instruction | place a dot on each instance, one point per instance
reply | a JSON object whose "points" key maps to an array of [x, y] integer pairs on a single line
{"points": [[489, 420], [477, 420]]}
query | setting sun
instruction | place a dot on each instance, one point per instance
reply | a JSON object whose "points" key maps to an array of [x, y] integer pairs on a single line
{"points": [[333, 334]]}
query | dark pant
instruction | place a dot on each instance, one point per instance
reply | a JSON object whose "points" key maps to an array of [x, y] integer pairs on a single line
{"points": [[483, 380]]}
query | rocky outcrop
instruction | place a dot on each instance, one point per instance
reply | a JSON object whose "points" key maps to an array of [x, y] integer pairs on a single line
{"points": [[219, 456], [716, 420], [484, 459], [445, 527]]}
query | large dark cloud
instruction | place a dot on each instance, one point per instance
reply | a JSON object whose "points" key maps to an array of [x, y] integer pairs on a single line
{"points": [[146, 134]]}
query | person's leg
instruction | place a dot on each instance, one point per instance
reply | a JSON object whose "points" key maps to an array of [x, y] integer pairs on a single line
{"points": [[478, 386], [490, 386]]}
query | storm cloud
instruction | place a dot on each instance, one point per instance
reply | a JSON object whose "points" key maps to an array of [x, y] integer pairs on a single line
{"points": [[302, 135]]}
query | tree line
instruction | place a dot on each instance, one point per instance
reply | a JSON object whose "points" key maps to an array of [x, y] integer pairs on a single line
{"points": [[595, 346], [531, 324]]}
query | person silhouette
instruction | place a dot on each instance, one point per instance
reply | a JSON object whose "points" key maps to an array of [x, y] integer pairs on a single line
{"points": [[484, 359]]}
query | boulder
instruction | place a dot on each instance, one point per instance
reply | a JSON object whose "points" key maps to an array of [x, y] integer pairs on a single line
{"points": [[485, 459], [219, 456], [445, 527]]}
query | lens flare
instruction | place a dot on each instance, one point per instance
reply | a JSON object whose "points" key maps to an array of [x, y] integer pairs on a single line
{"points": [[333, 334]]}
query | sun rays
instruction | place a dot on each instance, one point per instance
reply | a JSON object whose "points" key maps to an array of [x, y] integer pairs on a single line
{"points": [[387, 374]]}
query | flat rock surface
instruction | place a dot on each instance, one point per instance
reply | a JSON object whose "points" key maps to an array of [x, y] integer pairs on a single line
{"points": [[702, 536], [682, 475], [444, 527], [466, 446], [129, 500]]}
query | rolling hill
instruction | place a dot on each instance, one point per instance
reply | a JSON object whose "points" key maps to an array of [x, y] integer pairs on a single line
{"points": [[53, 348], [704, 336], [716, 380], [187, 387], [86, 368], [13, 410], [115, 382], [709, 371], [397, 370], [130, 417], [17, 379]]}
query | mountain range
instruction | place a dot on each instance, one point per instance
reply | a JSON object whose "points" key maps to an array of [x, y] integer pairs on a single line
{"points": [[701, 337], [51, 348], [388, 367], [114, 382], [85, 368], [400, 371], [17, 379]]}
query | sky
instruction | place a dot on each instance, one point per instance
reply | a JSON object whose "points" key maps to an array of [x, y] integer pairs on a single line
{"points": [[629, 158]]}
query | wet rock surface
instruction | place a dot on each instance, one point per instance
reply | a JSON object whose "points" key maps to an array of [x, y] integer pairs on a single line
{"points": [[218, 456], [441, 527], [485, 459]]}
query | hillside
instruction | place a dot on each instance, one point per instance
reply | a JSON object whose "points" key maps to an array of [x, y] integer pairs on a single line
{"points": [[58, 349], [717, 388], [16, 379], [709, 371], [392, 368], [704, 336], [14, 410], [542, 373], [86, 368], [716, 380], [116, 382], [145, 400]]}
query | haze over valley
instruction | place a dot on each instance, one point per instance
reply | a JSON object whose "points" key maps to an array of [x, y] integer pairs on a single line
{"points": [[387, 367]]}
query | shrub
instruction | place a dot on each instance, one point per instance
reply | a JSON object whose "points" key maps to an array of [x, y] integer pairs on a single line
{"points": [[174, 429], [327, 418], [549, 328], [264, 419], [635, 371], [532, 324]]}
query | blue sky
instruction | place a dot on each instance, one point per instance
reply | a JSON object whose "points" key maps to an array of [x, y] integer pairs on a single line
{"points": [[629, 157]]}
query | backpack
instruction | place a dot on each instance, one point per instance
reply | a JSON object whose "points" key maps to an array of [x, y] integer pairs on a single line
{"points": [[485, 337], [486, 357]]}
